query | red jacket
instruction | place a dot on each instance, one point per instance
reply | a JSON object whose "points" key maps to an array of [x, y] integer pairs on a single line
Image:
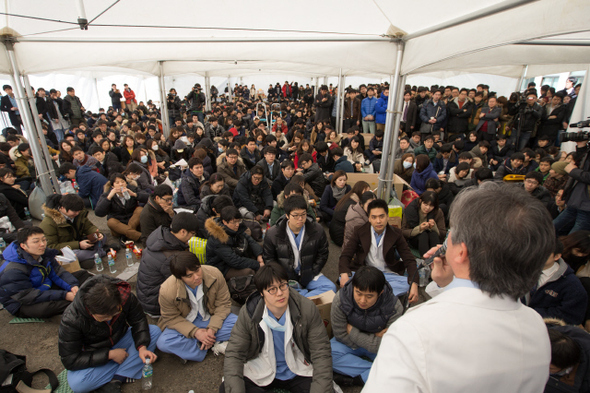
{"points": [[284, 128], [129, 96], [286, 91]]}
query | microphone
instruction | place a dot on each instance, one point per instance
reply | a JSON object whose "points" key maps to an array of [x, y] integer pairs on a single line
{"points": [[438, 253]]}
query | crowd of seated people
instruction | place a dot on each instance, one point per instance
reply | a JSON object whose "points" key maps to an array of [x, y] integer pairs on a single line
{"points": [[271, 195]]}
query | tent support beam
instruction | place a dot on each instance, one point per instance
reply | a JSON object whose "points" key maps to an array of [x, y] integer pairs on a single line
{"points": [[339, 107], [392, 122], [207, 92], [24, 110], [164, 101], [525, 68], [39, 129], [488, 11]]}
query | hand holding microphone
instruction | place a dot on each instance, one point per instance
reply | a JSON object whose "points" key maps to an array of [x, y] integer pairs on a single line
{"points": [[441, 271]]}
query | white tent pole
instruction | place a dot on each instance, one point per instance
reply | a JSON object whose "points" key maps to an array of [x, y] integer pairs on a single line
{"points": [[399, 102], [325, 80], [39, 129], [339, 106], [525, 68], [97, 93], [341, 92], [207, 92], [164, 101], [491, 10], [391, 134], [25, 112], [317, 86]]}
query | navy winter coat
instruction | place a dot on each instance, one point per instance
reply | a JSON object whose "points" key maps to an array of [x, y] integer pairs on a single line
{"points": [[91, 183], [31, 282]]}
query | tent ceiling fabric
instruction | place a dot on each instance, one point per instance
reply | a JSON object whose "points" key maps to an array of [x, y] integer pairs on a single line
{"points": [[272, 38]]}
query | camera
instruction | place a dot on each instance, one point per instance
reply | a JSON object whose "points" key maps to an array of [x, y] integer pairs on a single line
{"points": [[580, 136]]}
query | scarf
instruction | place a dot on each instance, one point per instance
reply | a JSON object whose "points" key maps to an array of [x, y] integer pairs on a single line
{"points": [[272, 323], [338, 192]]}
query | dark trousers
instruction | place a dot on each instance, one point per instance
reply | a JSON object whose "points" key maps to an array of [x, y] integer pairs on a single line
{"points": [[425, 241], [55, 307], [297, 384]]}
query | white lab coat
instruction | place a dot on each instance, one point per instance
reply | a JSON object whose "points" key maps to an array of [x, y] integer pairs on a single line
{"points": [[463, 341]]}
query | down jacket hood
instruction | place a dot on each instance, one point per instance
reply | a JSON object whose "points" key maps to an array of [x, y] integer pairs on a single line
{"points": [[51, 206], [220, 231]]}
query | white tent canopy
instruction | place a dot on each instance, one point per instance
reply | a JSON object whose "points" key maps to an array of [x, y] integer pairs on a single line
{"points": [[240, 38]]}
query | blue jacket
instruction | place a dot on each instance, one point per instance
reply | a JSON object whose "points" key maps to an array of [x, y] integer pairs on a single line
{"points": [[25, 281], [430, 110], [563, 297], [368, 106], [91, 183], [418, 181], [343, 164], [328, 202], [381, 109]]}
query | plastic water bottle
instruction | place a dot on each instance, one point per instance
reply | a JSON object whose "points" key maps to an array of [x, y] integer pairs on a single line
{"points": [[98, 263], [146, 375], [112, 268], [129, 257], [27, 214]]}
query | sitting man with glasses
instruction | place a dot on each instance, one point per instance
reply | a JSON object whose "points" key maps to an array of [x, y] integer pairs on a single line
{"points": [[278, 342], [158, 211], [104, 336], [300, 245]]}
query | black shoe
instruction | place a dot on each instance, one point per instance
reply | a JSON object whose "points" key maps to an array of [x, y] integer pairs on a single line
{"points": [[112, 387], [343, 380], [114, 246]]}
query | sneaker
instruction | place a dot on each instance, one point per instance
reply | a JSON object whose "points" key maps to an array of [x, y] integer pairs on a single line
{"points": [[219, 348]]}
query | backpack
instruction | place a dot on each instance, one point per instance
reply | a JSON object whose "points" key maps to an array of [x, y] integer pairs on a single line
{"points": [[14, 368]]}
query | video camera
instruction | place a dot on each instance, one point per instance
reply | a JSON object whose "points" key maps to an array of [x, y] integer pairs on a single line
{"points": [[579, 136]]}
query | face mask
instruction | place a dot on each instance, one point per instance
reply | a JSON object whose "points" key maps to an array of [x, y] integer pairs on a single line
{"points": [[143, 159], [219, 149], [414, 165], [180, 151], [155, 147], [407, 164]]}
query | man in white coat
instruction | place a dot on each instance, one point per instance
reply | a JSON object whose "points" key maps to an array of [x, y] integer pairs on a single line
{"points": [[476, 336]]}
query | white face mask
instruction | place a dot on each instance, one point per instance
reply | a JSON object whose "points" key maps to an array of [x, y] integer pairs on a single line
{"points": [[407, 164], [155, 147]]}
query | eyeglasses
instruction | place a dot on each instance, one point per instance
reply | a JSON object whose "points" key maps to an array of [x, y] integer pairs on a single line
{"points": [[257, 178], [167, 200], [283, 287], [531, 182], [299, 216]]}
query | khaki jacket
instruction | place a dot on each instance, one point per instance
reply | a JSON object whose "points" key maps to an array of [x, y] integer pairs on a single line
{"points": [[175, 304]]}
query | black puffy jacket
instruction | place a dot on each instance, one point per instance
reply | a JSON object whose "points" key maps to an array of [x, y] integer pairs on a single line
{"points": [[255, 198], [373, 319], [84, 342], [313, 254], [339, 220], [154, 268], [315, 178], [230, 249], [203, 214]]}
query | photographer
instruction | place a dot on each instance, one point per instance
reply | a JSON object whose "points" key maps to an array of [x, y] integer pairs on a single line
{"points": [[174, 105], [576, 215], [196, 99], [529, 113]]}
